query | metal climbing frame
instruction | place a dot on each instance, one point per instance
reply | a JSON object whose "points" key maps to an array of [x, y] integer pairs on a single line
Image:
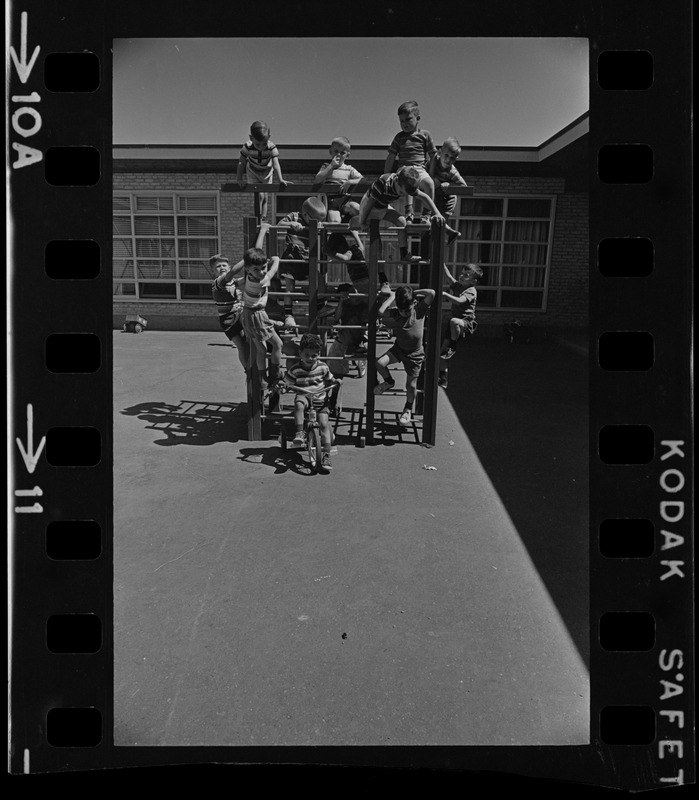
{"points": [[431, 276]]}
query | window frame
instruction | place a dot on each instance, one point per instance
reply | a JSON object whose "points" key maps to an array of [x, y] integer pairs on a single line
{"points": [[497, 267], [132, 214]]}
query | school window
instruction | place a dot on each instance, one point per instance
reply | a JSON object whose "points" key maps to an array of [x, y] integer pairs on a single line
{"points": [[510, 238], [161, 244]]}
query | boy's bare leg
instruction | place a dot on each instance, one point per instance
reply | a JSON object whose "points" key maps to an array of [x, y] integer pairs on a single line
{"points": [[426, 185], [263, 208], [299, 408], [382, 368], [325, 430], [289, 286], [410, 390], [398, 221], [275, 358]]}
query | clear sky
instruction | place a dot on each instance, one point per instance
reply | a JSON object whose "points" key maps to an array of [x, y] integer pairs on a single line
{"points": [[485, 92]]}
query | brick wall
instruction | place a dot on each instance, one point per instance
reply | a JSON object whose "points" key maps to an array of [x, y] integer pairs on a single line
{"points": [[567, 305]]}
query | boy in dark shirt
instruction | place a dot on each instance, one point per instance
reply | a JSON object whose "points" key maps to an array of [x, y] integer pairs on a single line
{"points": [[407, 322], [462, 295]]}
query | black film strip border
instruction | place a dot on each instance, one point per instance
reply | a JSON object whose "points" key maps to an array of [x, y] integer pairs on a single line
{"points": [[640, 266]]}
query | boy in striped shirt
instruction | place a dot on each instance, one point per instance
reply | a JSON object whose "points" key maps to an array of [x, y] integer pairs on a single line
{"points": [[259, 162], [376, 204], [307, 375], [338, 171], [229, 303]]}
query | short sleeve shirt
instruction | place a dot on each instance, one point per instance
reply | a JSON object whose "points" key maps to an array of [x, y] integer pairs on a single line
{"points": [[259, 162], [409, 330], [412, 149], [298, 375], [342, 174], [384, 190], [466, 310], [442, 175], [227, 298], [254, 294]]}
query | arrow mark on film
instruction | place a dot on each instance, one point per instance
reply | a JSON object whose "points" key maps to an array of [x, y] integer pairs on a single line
{"points": [[23, 67], [30, 457]]}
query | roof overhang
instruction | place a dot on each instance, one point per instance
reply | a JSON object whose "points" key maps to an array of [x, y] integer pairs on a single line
{"points": [[228, 154]]}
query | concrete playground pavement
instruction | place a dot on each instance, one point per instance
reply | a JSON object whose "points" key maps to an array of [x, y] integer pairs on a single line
{"points": [[255, 604]]}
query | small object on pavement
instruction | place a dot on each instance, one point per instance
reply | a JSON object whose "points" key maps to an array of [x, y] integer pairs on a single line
{"points": [[134, 323]]}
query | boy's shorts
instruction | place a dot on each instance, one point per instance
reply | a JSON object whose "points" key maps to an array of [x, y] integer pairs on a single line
{"points": [[263, 175], [337, 202], [446, 203], [257, 325], [467, 326], [412, 362], [320, 406], [375, 213], [232, 329]]}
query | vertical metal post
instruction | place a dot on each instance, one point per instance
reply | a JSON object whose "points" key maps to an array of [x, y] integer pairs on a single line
{"points": [[372, 301], [423, 271], [273, 246], [253, 387], [313, 277], [249, 232], [429, 419]]}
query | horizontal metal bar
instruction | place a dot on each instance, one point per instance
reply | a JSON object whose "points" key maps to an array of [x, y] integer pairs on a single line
{"points": [[336, 295], [321, 188], [346, 327], [361, 357]]}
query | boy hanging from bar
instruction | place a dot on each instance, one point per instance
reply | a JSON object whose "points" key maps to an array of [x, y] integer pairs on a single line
{"points": [[407, 323]]}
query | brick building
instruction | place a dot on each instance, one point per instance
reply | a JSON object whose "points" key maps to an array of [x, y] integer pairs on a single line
{"points": [[526, 225]]}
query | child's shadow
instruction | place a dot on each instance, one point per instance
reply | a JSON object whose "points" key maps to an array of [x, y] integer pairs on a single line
{"points": [[281, 460], [192, 422]]}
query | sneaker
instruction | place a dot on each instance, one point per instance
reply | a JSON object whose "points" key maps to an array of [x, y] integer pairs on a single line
{"points": [[405, 418], [326, 463], [380, 388], [299, 439], [442, 380], [290, 322], [385, 289], [383, 278], [453, 235], [449, 353]]}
